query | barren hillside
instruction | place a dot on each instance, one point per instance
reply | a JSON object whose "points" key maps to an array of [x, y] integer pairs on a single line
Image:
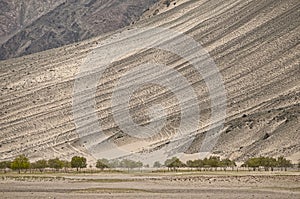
{"points": [[32, 26], [254, 44]]}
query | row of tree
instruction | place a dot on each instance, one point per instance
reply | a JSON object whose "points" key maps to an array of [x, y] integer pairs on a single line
{"points": [[125, 163], [22, 163], [212, 162], [256, 163], [268, 163]]}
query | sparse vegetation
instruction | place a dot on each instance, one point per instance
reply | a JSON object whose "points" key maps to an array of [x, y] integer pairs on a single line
{"points": [[173, 164]]}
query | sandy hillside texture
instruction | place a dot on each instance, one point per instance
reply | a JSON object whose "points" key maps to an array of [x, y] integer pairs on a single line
{"points": [[254, 43], [30, 26]]}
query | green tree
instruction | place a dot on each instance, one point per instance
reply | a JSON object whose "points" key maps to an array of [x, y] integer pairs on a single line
{"points": [[139, 164], [157, 164], [227, 163], [174, 163], [268, 162], [130, 164], [5, 165], [102, 164], [66, 164], [195, 163], [253, 163], [283, 163], [213, 161], [114, 163], [55, 164], [78, 162], [20, 162], [40, 165]]}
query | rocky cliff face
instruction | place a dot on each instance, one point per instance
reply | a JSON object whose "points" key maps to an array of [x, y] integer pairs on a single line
{"points": [[32, 26], [255, 45]]}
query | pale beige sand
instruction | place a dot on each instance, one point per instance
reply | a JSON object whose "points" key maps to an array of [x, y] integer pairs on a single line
{"points": [[257, 185]]}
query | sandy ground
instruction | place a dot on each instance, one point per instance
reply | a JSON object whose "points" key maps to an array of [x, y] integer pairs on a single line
{"points": [[210, 185]]}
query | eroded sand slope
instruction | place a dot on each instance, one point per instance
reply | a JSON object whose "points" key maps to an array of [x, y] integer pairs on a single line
{"points": [[255, 45]]}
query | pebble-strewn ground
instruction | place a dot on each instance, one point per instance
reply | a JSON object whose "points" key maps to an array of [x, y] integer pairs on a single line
{"points": [[257, 185]]}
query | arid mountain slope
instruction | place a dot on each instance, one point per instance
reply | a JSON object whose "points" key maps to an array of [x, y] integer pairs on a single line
{"points": [[32, 26], [255, 45]]}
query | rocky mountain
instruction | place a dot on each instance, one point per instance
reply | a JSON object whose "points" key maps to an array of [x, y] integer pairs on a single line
{"points": [[254, 45], [32, 26]]}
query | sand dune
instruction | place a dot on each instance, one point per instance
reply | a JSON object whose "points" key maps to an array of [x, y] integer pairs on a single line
{"points": [[254, 44]]}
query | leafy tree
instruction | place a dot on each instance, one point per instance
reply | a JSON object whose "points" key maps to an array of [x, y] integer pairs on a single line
{"points": [[114, 163], [20, 162], [102, 164], [195, 163], [66, 164], [213, 161], [227, 163], [78, 162], [40, 165], [283, 163], [157, 164], [268, 162], [4, 165], [55, 164], [253, 162], [174, 163], [130, 164], [138, 164]]}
